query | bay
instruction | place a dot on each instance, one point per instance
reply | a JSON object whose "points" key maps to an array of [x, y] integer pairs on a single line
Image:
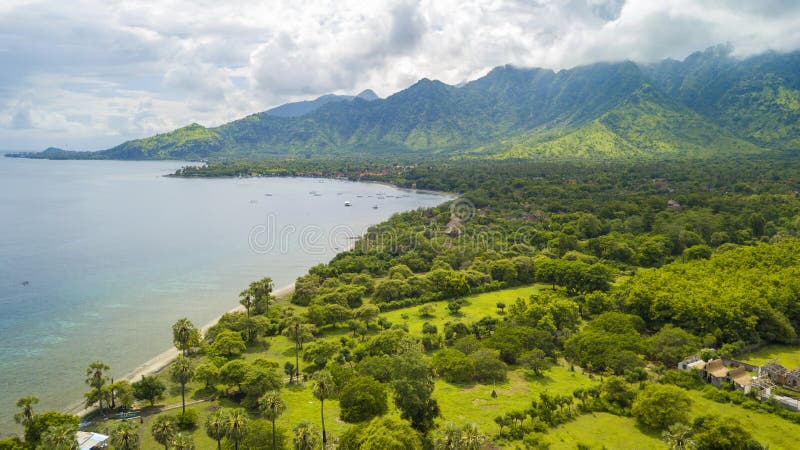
{"points": [[99, 258]]}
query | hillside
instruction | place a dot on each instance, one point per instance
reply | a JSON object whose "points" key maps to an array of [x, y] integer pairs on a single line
{"points": [[708, 104], [302, 108]]}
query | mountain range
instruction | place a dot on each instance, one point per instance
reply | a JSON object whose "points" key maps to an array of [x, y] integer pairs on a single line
{"points": [[710, 103]]}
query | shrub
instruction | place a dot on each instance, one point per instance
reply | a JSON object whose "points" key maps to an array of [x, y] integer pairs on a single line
{"points": [[488, 367], [362, 398], [453, 366], [661, 405], [188, 420]]}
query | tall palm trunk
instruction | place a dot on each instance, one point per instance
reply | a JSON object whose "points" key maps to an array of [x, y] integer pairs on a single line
{"points": [[322, 414], [297, 353], [183, 397], [274, 446]]}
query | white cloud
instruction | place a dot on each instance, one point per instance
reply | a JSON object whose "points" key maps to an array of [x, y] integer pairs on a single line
{"points": [[91, 73]]}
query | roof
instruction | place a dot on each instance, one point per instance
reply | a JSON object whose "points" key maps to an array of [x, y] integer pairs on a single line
{"points": [[774, 367], [697, 365], [88, 440], [716, 368], [740, 376]]}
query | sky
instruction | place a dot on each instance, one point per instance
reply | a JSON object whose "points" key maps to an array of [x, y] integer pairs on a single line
{"points": [[88, 75]]}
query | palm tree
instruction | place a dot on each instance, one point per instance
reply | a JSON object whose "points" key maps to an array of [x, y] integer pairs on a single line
{"points": [[182, 441], [271, 405], [60, 437], [449, 437], [26, 417], [305, 437], [248, 300], [216, 426], [96, 378], [678, 436], [125, 437], [262, 290], [163, 429], [323, 388], [183, 332], [298, 331], [96, 374], [471, 439], [236, 426], [182, 372]]}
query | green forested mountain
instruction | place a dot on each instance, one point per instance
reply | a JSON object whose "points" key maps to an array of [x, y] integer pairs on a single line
{"points": [[757, 98], [708, 104], [302, 108]]}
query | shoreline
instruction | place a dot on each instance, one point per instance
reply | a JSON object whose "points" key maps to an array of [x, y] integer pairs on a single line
{"points": [[454, 195], [165, 358], [162, 360]]}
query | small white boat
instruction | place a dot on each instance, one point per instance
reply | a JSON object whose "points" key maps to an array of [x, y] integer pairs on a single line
{"points": [[348, 204]]}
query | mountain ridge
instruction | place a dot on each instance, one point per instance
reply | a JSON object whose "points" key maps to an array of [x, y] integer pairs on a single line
{"points": [[708, 104], [301, 108]]}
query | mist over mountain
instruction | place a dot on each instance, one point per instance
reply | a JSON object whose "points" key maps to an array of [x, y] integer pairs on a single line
{"points": [[708, 104]]}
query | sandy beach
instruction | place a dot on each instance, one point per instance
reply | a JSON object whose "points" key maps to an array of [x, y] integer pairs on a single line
{"points": [[164, 359]]}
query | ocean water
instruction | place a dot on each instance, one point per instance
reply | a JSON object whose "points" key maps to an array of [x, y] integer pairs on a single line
{"points": [[99, 258]]}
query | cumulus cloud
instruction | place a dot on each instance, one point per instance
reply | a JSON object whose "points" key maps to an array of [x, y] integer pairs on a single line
{"points": [[88, 74]]}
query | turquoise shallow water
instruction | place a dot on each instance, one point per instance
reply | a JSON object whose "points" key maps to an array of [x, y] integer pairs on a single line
{"points": [[99, 258]]}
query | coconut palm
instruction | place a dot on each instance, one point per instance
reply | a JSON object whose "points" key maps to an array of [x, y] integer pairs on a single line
{"points": [[125, 437], [26, 417], [236, 426], [323, 388], [61, 437], [215, 426], [182, 372], [182, 441], [271, 406], [163, 429]]}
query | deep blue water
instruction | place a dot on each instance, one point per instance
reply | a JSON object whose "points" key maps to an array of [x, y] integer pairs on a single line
{"points": [[99, 258]]}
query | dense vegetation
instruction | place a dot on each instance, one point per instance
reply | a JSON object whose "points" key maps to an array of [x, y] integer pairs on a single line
{"points": [[629, 268], [710, 104]]}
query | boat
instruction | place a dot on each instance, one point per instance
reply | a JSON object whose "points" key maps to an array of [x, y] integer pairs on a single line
{"points": [[375, 207], [348, 204]]}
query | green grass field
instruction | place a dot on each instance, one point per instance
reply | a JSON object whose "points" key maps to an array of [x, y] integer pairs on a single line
{"points": [[473, 403], [603, 430], [479, 306], [787, 355], [765, 428]]}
